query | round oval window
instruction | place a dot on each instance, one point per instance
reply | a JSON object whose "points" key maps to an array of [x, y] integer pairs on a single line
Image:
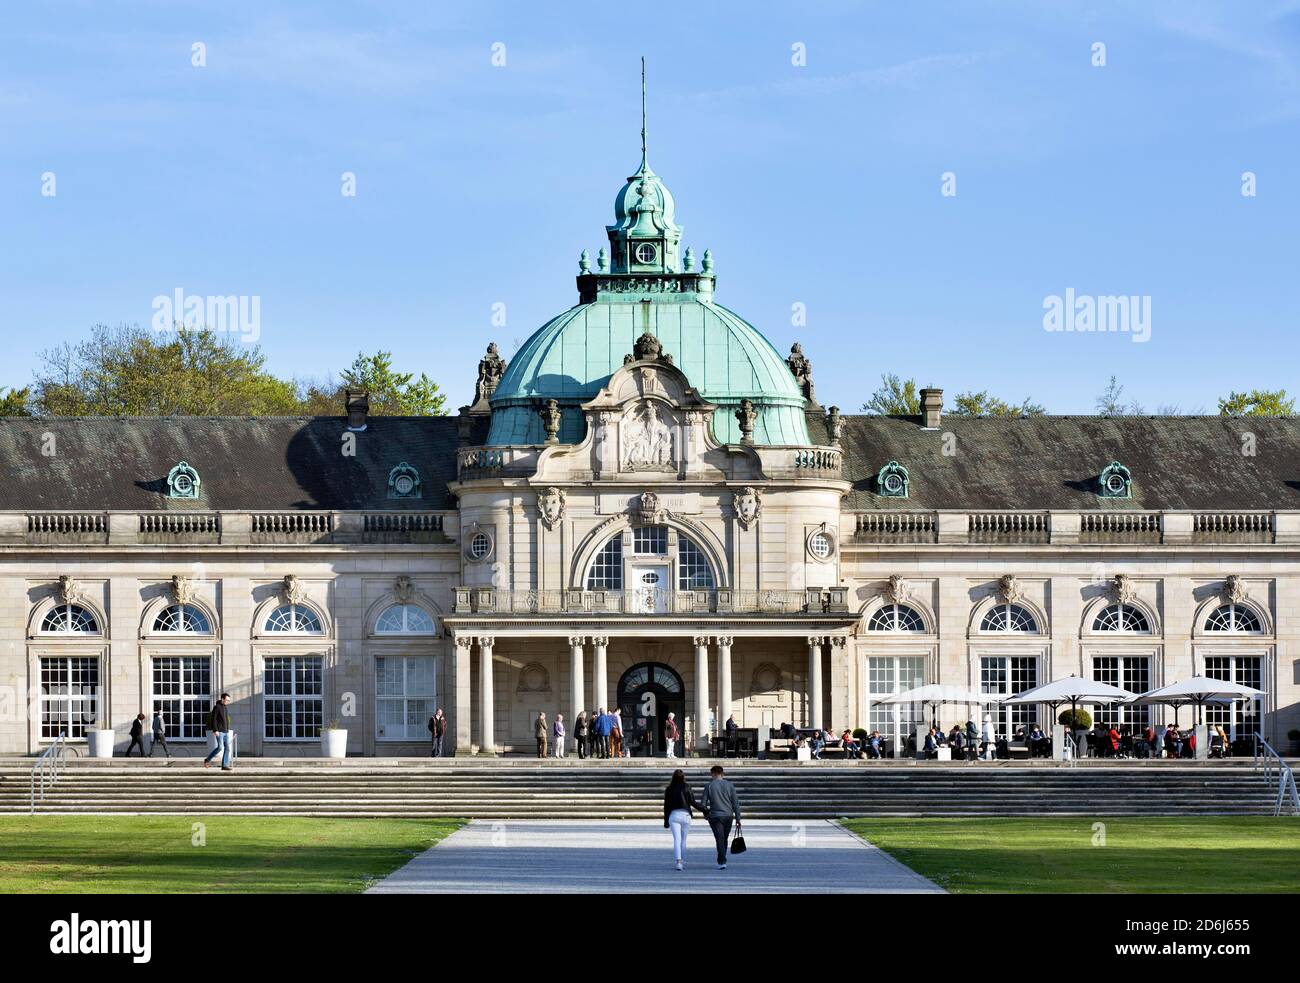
{"points": [[404, 484], [480, 546], [819, 545], [183, 484], [645, 253], [650, 578], [1115, 483], [893, 484]]}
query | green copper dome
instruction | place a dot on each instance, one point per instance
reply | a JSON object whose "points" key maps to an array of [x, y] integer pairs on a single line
{"points": [[573, 355]]}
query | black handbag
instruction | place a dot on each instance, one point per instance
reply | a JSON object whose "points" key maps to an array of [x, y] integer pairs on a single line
{"points": [[738, 842]]}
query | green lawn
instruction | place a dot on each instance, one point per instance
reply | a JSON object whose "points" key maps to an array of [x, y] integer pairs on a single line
{"points": [[1196, 854], [238, 854]]}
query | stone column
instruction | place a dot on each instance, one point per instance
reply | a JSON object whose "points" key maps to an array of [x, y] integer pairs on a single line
{"points": [[487, 720], [462, 715], [702, 692], [577, 673], [724, 680], [599, 679], [815, 681], [839, 683]]}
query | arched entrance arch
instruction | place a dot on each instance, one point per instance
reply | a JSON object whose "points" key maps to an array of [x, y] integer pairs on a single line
{"points": [[647, 693]]}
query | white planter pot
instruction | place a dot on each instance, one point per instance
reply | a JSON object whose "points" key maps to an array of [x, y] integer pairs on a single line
{"points": [[334, 743], [101, 743]]}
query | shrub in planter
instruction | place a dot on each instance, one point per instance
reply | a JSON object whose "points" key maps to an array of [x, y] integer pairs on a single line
{"points": [[1078, 719], [859, 734]]}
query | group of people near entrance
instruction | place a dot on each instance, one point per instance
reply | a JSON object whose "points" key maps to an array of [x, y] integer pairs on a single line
{"points": [[601, 736], [217, 723]]}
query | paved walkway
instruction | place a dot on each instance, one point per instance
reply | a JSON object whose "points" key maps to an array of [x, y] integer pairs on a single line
{"points": [[569, 856]]}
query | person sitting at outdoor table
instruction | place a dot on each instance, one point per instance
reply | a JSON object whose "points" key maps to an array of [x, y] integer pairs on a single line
{"points": [[933, 741], [818, 742], [1149, 735], [1040, 745], [1173, 742], [955, 739], [849, 743], [1189, 745], [1112, 735], [873, 745]]}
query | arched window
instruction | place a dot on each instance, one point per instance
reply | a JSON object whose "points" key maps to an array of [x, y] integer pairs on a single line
{"points": [[1121, 617], [183, 618], [693, 570], [69, 619], [1233, 618], [1009, 618], [294, 619], [606, 571], [896, 617], [404, 619]]}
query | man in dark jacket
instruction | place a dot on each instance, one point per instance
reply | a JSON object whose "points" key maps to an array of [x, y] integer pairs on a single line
{"points": [[437, 731], [219, 725], [600, 733], [137, 735], [720, 806]]}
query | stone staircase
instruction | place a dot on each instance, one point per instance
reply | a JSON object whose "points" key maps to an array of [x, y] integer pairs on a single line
{"points": [[522, 789]]}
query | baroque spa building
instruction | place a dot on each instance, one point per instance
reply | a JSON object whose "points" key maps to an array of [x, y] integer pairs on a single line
{"points": [[646, 507]]}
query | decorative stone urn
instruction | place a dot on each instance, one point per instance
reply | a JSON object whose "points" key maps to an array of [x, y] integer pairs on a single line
{"points": [[101, 743], [333, 742]]}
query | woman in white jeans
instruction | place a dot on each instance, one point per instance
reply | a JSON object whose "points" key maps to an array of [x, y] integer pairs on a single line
{"points": [[679, 804]]}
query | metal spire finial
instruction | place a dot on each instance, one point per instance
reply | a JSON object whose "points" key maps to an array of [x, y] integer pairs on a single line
{"points": [[643, 151]]}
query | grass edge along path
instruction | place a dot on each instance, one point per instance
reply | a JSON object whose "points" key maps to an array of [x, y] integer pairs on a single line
{"points": [[988, 855], [210, 854]]}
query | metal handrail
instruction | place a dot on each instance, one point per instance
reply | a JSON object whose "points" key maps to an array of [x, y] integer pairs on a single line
{"points": [[1273, 762], [48, 761]]}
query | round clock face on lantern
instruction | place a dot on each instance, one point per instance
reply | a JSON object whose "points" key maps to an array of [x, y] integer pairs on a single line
{"points": [[645, 252]]}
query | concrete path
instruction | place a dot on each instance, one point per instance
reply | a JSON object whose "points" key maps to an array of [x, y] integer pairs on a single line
{"points": [[635, 856]]}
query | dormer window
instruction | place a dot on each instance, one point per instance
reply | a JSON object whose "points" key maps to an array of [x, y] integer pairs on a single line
{"points": [[1115, 481], [404, 482], [183, 481], [892, 481]]}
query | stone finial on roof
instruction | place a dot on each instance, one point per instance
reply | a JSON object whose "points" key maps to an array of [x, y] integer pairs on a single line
{"points": [[584, 262], [491, 367], [648, 348], [835, 425], [746, 416], [550, 414]]}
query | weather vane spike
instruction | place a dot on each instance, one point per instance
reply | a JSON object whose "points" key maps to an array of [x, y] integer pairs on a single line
{"points": [[643, 155]]}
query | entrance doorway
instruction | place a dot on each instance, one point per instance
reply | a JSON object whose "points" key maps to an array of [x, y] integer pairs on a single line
{"points": [[649, 587], [647, 693]]}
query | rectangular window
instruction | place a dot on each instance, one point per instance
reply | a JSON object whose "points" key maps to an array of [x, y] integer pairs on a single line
{"points": [[887, 675], [1130, 672], [650, 540], [405, 695], [1240, 720], [182, 693], [294, 697], [1007, 675], [69, 696]]}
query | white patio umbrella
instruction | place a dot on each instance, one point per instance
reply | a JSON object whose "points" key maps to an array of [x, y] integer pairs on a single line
{"points": [[1072, 690], [936, 694], [1198, 691]]}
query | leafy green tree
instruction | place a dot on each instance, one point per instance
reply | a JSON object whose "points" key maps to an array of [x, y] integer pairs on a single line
{"points": [[982, 404], [131, 371], [16, 402], [894, 397], [1111, 401], [1258, 402], [393, 393]]}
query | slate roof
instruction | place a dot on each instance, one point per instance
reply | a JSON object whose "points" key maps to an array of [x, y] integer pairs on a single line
{"points": [[1048, 462], [243, 462], [1052, 462]]}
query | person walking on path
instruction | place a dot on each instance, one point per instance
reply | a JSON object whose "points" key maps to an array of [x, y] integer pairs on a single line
{"points": [[616, 733], [557, 732], [437, 731], [580, 734], [137, 736], [159, 728], [219, 725], [720, 806], [539, 732], [671, 734], [679, 804]]}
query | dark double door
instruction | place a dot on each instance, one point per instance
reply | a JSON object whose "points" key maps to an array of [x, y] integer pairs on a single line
{"points": [[647, 693]]}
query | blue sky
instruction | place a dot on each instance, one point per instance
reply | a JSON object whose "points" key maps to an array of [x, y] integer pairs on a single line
{"points": [[816, 185]]}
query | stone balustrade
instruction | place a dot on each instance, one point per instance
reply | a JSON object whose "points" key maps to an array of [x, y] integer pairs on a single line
{"points": [[499, 601]]}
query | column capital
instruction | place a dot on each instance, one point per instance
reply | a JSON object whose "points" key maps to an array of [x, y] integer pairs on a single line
{"points": [[600, 641], [702, 641], [724, 641], [839, 641], [464, 641], [815, 641], [577, 641], [486, 641]]}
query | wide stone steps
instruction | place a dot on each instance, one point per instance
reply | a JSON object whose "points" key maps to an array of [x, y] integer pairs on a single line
{"points": [[490, 791]]}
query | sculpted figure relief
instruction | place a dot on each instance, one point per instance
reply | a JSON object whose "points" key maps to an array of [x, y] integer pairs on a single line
{"points": [[647, 439]]}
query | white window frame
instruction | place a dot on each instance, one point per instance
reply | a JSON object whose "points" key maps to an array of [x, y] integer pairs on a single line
{"points": [[899, 732], [69, 699], [296, 630], [94, 616], [1007, 717], [407, 697], [294, 697], [1234, 710], [203, 698], [406, 631], [1123, 714]]}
